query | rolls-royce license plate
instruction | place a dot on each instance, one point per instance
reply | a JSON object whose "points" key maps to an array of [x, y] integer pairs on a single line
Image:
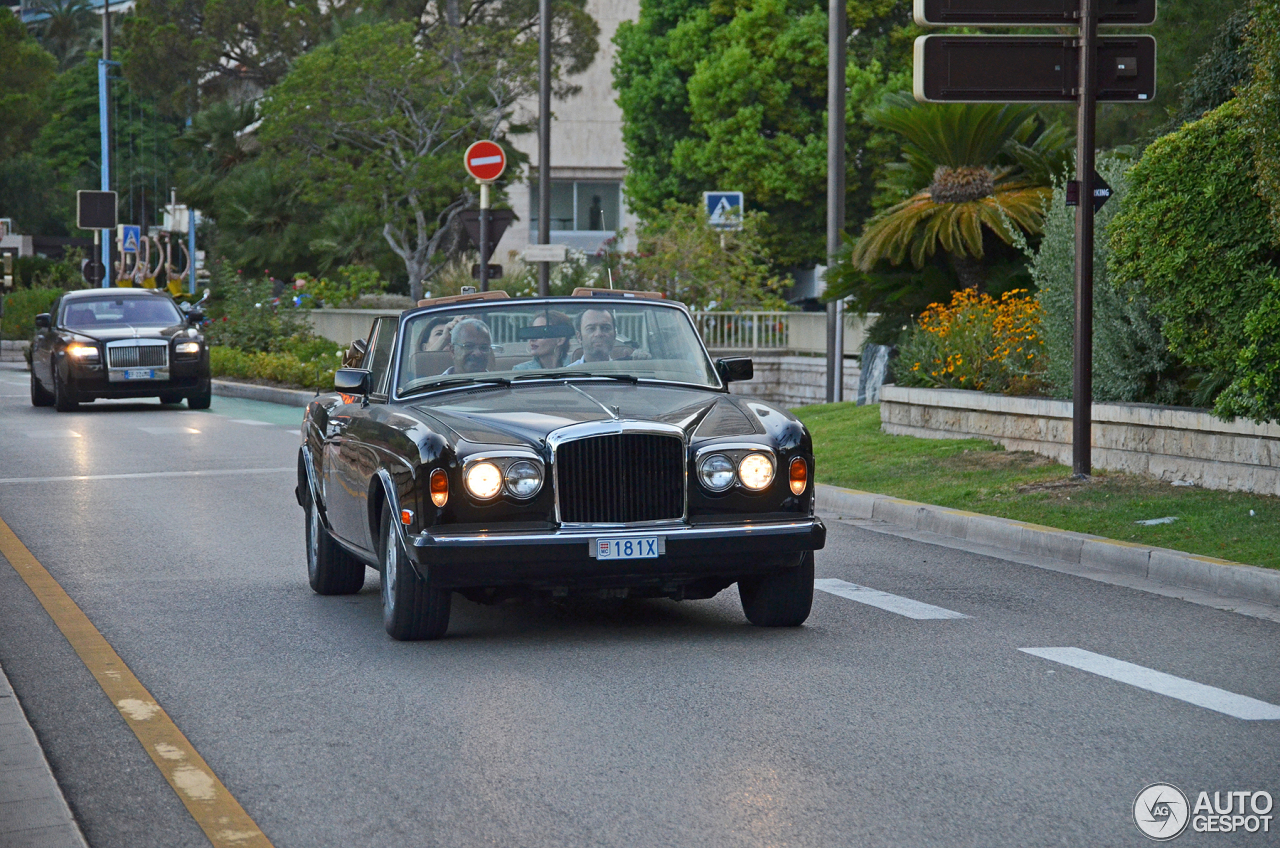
{"points": [[628, 547], [140, 374]]}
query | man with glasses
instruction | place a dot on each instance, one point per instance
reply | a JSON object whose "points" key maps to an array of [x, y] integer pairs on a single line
{"points": [[471, 346]]}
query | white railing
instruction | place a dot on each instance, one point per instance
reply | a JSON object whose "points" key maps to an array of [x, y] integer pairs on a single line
{"points": [[744, 330]]}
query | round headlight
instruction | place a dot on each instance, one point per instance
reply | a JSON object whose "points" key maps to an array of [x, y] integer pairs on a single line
{"points": [[755, 471], [484, 480], [524, 479], [716, 472]]}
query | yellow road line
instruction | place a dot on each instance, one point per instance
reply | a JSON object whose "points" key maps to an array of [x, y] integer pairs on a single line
{"points": [[219, 814]]}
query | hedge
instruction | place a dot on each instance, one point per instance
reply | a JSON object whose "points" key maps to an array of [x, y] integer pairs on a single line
{"points": [[1193, 236], [20, 310], [284, 368]]}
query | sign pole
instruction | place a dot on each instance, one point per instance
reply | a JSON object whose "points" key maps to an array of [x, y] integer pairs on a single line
{"points": [[836, 26], [1082, 383], [544, 140], [484, 237], [104, 126]]}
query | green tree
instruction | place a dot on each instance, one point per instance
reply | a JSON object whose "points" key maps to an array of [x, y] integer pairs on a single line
{"points": [[379, 120], [732, 95], [68, 29], [26, 72], [187, 53], [680, 254], [972, 170], [69, 145]]}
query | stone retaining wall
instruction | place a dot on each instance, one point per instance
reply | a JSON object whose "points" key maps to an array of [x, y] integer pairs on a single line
{"points": [[13, 351], [1168, 443], [790, 380]]}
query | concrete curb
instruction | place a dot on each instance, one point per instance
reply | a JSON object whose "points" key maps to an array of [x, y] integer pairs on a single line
{"points": [[270, 394], [33, 810], [1173, 568]]}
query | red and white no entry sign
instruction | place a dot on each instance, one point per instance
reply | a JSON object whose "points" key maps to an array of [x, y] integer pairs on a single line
{"points": [[485, 161]]}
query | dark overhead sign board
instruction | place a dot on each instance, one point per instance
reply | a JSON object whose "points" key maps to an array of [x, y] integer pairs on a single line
{"points": [[1031, 12], [499, 220], [1030, 69], [96, 210]]}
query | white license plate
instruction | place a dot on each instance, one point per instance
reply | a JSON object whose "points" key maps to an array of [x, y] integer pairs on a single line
{"points": [[628, 547], [140, 374]]}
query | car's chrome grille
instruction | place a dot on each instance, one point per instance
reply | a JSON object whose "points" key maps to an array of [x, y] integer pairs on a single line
{"points": [[621, 478], [143, 356]]}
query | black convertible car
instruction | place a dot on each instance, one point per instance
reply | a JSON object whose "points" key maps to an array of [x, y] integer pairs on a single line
{"points": [[495, 447], [118, 343]]}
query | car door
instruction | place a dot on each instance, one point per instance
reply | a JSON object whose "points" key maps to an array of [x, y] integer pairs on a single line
{"points": [[42, 349], [349, 461]]}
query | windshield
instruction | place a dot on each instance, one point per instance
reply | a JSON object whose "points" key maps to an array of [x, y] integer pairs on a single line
{"points": [[529, 339], [116, 312]]}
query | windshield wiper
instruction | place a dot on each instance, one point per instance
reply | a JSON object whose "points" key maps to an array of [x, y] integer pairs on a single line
{"points": [[558, 375], [455, 381]]}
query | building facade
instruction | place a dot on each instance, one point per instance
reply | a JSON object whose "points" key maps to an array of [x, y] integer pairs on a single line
{"points": [[587, 155]]}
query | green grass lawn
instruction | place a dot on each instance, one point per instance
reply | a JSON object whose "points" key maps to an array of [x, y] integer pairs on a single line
{"points": [[981, 477]]}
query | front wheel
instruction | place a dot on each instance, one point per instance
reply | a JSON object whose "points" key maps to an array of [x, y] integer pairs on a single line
{"points": [[202, 399], [412, 608], [64, 399], [40, 396], [781, 599], [330, 569]]}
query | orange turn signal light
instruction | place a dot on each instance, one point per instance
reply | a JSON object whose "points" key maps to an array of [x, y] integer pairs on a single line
{"points": [[439, 487], [406, 517], [799, 475]]}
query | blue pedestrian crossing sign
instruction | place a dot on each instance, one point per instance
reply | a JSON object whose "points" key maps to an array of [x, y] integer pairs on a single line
{"points": [[130, 237], [724, 209]]}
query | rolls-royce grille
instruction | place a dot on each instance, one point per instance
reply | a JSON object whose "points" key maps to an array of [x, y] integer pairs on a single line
{"points": [[621, 479], [136, 357]]}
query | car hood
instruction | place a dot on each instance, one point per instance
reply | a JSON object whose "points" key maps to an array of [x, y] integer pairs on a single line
{"points": [[111, 334], [527, 414]]}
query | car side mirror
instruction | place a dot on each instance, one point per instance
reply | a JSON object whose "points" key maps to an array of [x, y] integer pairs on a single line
{"points": [[355, 354], [735, 370], [352, 381], [195, 317], [42, 321]]}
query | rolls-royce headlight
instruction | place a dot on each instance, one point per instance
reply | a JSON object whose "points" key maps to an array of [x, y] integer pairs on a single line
{"points": [[524, 479], [716, 472], [82, 351], [187, 348], [484, 480], [755, 471]]}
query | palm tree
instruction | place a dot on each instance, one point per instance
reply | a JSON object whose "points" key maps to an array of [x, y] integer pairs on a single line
{"points": [[967, 169], [66, 28]]}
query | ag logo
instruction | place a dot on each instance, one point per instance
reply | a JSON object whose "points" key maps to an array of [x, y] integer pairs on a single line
{"points": [[1161, 811]]}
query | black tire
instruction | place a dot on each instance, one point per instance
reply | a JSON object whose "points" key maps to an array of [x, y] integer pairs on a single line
{"points": [[170, 397], [330, 569], [412, 608], [40, 396], [64, 398], [202, 398], [781, 599]]}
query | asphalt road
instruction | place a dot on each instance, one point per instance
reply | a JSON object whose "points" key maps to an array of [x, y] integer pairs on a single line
{"points": [[641, 723]]}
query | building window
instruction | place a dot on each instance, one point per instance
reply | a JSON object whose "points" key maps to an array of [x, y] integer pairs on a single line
{"points": [[580, 206]]}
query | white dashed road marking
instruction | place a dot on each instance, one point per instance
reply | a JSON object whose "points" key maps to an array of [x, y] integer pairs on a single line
{"points": [[884, 601], [250, 422], [1209, 697], [52, 434], [169, 431]]}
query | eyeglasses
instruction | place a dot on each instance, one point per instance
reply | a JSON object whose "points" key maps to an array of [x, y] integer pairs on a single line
{"points": [[468, 347]]}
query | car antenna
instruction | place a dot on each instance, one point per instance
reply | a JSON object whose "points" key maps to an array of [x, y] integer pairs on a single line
{"points": [[609, 271]]}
